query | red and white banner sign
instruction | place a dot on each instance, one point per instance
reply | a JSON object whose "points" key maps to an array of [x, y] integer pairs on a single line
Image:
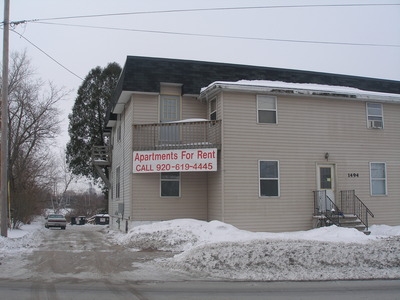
{"points": [[183, 160]]}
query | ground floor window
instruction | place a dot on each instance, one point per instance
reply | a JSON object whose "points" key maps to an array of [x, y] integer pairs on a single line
{"points": [[378, 179], [269, 178], [170, 184]]}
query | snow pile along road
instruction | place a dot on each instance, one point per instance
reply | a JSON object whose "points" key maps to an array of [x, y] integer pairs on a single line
{"points": [[214, 249], [218, 250], [25, 239]]}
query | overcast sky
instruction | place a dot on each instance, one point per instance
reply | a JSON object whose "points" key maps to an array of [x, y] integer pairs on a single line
{"points": [[357, 40]]}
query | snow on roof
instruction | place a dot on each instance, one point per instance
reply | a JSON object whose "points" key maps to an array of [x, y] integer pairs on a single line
{"points": [[300, 89]]}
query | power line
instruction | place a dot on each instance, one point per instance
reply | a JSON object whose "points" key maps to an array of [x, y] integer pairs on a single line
{"points": [[223, 36], [48, 55], [13, 24], [212, 9], [42, 21]]}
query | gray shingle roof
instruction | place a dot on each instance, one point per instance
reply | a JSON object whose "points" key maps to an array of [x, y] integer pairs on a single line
{"points": [[144, 74]]}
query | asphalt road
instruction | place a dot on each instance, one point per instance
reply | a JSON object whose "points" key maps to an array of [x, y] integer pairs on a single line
{"points": [[190, 290], [80, 263]]}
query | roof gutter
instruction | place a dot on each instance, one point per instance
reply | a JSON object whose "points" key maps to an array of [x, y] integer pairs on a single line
{"points": [[348, 93]]}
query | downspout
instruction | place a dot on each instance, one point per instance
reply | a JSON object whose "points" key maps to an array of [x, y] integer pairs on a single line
{"points": [[123, 161], [211, 90], [222, 161]]}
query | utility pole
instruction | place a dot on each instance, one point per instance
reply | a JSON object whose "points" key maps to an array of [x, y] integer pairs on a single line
{"points": [[4, 123]]}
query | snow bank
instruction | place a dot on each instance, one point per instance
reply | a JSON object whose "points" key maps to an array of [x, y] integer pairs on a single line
{"points": [[24, 239], [291, 260], [218, 250], [184, 234]]}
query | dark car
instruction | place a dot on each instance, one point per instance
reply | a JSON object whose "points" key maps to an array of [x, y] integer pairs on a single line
{"points": [[55, 220]]}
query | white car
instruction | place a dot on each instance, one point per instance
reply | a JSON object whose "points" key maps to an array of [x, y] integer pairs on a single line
{"points": [[55, 220]]}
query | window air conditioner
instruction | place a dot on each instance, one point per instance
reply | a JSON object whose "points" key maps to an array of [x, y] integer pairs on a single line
{"points": [[376, 124]]}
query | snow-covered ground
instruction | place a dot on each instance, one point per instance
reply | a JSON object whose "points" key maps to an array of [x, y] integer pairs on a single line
{"points": [[218, 250]]}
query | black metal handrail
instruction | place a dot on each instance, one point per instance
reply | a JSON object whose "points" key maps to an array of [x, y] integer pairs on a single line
{"points": [[323, 205], [351, 204]]}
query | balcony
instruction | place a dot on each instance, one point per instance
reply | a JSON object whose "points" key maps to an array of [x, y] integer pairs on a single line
{"points": [[187, 134], [101, 155], [101, 159]]}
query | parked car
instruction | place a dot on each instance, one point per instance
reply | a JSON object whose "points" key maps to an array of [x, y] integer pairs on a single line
{"points": [[55, 220]]}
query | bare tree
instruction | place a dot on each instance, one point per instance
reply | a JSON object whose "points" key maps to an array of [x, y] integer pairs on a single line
{"points": [[33, 125], [61, 177]]}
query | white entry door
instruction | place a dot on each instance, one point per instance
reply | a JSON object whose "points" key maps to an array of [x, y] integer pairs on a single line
{"points": [[326, 182]]}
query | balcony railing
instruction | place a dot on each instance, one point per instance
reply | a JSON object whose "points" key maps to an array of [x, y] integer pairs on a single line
{"points": [[101, 155], [177, 135], [101, 160]]}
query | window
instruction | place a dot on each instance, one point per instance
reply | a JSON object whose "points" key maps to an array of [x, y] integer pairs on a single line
{"points": [[374, 115], [213, 109], [378, 179], [325, 177], [119, 128], [266, 109], [170, 184], [269, 178], [119, 133], [169, 108], [117, 182], [169, 112]]}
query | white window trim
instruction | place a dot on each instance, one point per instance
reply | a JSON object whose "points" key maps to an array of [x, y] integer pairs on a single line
{"points": [[368, 115], [214, 111], [161, 108], [259, 179], [180, 185], [118, 130], [275, 110], [370, 179]]}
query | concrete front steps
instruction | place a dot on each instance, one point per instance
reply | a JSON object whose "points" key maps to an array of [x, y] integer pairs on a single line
{"points": [[352, 221]]}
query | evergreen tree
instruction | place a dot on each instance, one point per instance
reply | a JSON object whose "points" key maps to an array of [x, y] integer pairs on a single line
{"points": [[87, 120]]}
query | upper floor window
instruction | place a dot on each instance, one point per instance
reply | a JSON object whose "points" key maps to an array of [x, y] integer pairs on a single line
{"points": [[266, 109], [169, 108], [269, 178], [169, 112], [213, 109], [374, 115], [378, 179]]}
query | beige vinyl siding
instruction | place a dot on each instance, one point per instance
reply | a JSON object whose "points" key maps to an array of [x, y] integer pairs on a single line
{"points": [[112, 203], [149, 206], [170, 89], [214, 195], [126, 167], [122, 160], [145, 108], [307, 128], [215, 179], [145, 198], [193, 108]]}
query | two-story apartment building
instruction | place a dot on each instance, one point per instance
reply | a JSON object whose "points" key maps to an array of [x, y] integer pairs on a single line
{"points": [[263, 149]]}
